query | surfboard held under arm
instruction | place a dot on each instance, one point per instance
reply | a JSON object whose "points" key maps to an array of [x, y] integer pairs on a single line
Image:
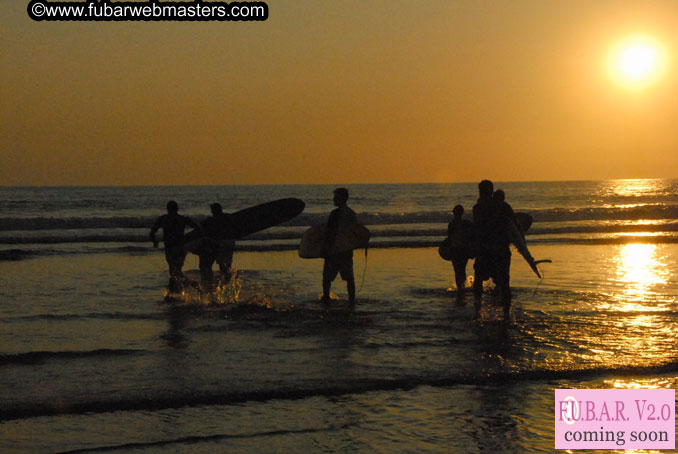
{"points": [[251, 220], [518, 239], [349, 237], [269, 214]]}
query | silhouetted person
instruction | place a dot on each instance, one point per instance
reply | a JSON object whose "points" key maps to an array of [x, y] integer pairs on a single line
{"points": [[500, 196], [493, 256], [342, 262], [218, 244], [173, 225], [521, 228], [460, 233]]}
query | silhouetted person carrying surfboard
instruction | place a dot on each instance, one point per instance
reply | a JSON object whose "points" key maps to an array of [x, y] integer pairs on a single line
{"points": [[218, 244], [173, 225], [518, 225], [491, 219], [460, 234], [338, 263]]}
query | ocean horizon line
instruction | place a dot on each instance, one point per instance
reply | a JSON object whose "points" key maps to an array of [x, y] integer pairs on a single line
{"points": [[327, 184]]}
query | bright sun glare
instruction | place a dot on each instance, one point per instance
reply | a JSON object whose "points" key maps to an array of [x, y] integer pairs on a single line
{"points": [[637, 62]]}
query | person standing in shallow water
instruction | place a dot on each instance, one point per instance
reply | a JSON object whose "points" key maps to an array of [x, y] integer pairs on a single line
{"points": [[460, 233], [218, 244], [339, 263], [493, 256], [173, 225]]}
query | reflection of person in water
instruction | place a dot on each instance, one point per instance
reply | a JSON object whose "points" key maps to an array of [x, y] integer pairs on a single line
{"points": [[217, 245], [493, 256], [339, 263], [460, 233], [173, 225]]}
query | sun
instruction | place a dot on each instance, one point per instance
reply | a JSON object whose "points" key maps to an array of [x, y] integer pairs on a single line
{"points": [[637, 62]]}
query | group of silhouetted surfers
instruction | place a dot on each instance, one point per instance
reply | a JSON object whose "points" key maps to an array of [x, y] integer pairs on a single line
{"points": [[486, 239], [213, 243]]}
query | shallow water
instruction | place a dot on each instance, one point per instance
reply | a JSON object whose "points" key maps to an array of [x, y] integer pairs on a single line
{"points": [[93, 358]]}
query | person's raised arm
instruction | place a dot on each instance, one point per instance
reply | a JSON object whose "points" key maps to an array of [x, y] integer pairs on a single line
{"points": [[154, 229]]}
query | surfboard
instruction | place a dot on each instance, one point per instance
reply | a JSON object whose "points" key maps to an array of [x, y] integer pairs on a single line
{"points": [[265, 215], [445, 249], [524, 223], [349, 237], [253, 219], [516, 233], [461, 239], [518, 239]]}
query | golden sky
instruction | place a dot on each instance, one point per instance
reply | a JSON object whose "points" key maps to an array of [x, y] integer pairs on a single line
{"points": [[344, 91]]}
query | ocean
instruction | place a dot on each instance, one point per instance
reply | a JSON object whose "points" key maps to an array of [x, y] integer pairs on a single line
{"points": [[93, 359]]}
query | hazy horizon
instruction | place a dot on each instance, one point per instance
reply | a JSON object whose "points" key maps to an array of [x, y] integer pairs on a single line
{"points": [[334, 184]]}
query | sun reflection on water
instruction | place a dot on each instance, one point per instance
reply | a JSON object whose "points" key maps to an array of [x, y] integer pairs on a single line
{"points": [[639, 269], [638, 383], [632, 188]]}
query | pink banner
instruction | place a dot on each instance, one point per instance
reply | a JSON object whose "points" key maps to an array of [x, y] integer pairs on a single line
{"points": [[615, 419]]}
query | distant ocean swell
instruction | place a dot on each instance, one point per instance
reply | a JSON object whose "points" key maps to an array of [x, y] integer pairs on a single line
{"points": [[354, 386], [649, 212], [642, 224]]}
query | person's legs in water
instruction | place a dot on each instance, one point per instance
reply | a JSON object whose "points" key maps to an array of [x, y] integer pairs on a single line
{"points": [[345, 265], [350, 288], [330, 271], [459, 265], [175, 257], [339, 264], [480, 274], [225, 259], [207, 256], [502, 279], [347, 275]]}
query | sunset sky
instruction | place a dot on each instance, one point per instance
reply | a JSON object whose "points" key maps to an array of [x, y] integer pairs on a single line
{"points": [[345, 91]]}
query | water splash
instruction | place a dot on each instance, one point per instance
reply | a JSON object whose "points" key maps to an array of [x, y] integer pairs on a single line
{"points": [[233, 295]]}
